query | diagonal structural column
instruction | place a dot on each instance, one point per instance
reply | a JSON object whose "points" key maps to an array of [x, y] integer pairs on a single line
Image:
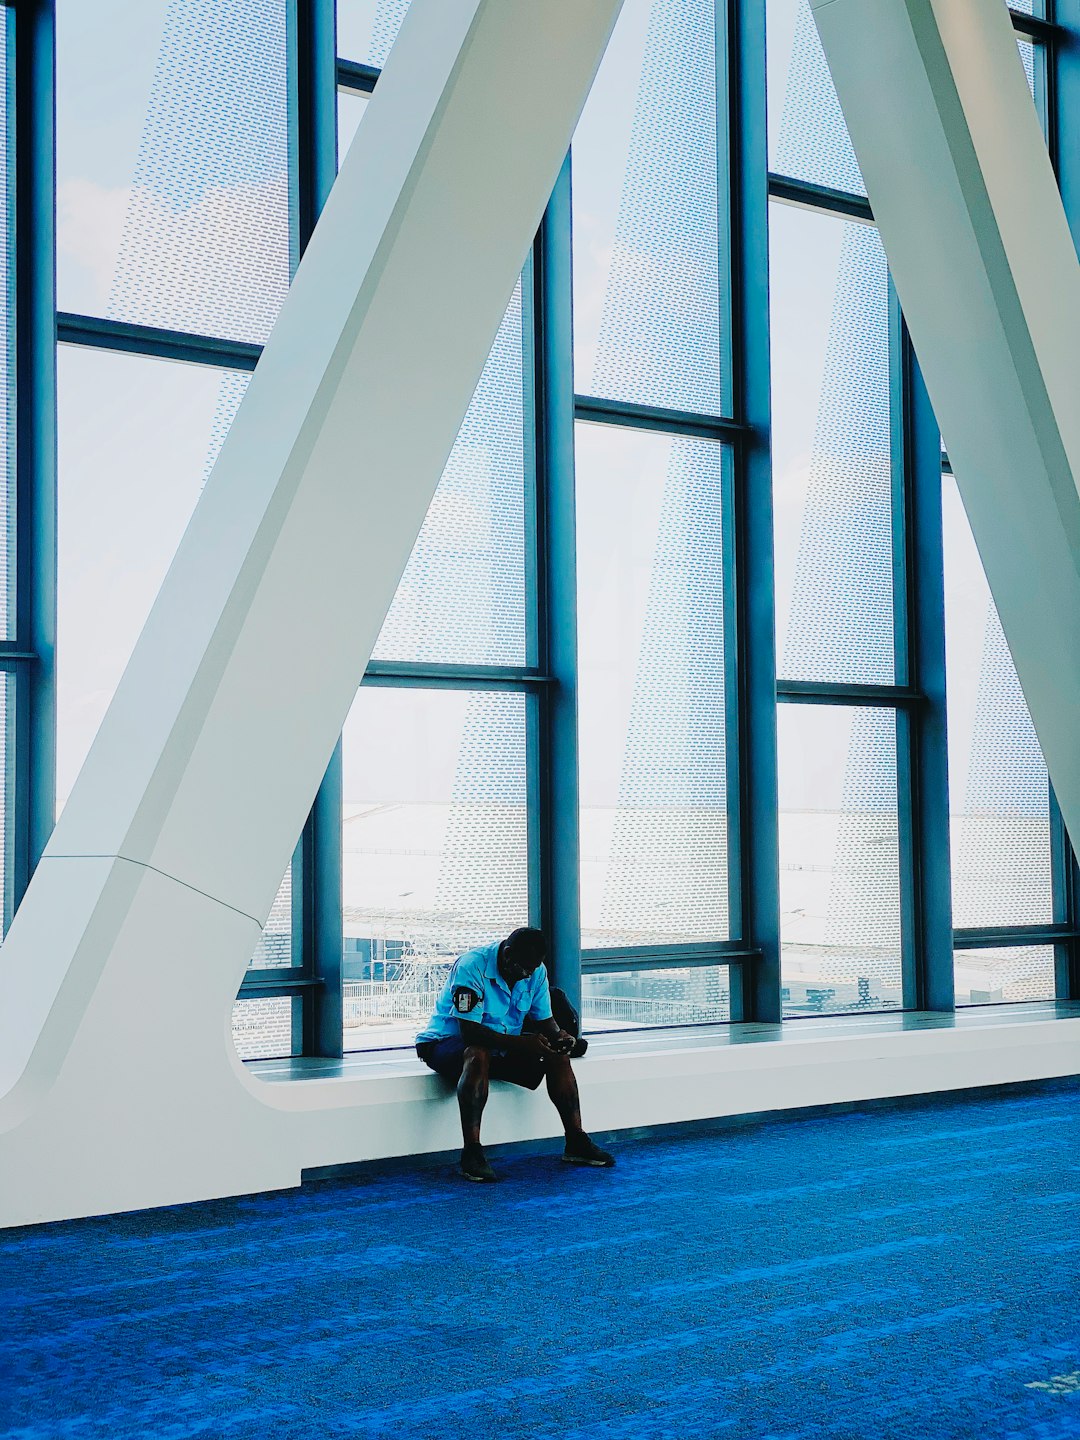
{"points": [[960, 182], [135, 932]]}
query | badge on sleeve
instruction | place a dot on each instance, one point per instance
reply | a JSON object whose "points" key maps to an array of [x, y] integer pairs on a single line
{"points": [[465, 1000]]}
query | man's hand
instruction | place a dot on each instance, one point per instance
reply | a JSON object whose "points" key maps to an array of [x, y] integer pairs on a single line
{"points": [[537, 1045], [561, 1043]]}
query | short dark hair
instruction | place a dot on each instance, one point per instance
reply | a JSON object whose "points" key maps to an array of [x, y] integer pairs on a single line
{"points": [[526, 946]]}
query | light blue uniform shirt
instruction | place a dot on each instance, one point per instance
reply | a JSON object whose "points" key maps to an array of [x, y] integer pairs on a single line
{"points": [[476, 991]]}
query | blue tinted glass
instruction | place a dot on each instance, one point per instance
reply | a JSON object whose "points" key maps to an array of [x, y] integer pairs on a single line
{"points": [[461, 599]]}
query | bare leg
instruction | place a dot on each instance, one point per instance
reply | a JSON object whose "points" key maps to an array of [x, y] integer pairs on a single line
{"points": [[562, 1087], [472, 1092]]}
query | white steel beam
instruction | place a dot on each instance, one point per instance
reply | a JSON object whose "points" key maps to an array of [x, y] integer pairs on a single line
{"points": [[960, 182], [119, 1082]]}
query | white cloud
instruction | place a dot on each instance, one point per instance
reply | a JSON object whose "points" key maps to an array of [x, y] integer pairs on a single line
{"points": [[89, 226], [220, 266]]}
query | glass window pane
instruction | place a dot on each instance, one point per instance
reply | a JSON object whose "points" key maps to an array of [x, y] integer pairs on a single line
{"points": [[1004, 975], [350, 111], [172, 167], [647, 283], [998, 786], [631, 999], [839, 859], [366, 29], [267, 1028], [808, 139], [832, 465], [137, 439], [461, 599], [652, 723], [275, 949], [435, 846]]}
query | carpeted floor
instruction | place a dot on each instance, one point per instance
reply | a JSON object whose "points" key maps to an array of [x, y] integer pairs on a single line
{"points": [[880, 1276]]}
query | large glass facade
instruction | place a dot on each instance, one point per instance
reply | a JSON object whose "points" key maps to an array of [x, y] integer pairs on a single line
{"points": [[564, 714], [847, 605]]}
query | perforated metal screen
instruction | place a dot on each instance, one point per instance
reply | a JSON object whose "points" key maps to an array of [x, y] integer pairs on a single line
{"points": [[461, 599], [275, 949], [267, 1027]]}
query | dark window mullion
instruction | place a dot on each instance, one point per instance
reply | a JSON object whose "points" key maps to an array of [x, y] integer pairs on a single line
{"points": [[1014, 936], [757, 996], [99, 333], [31, 768], [826, 692], [536, 586], [913, 948], [808, 196], [556, 739], [356, 78], [316, 865], [595, 409]]}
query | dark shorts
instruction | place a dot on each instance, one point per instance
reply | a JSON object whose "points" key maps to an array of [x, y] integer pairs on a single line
{"points": [[447, 1058]]}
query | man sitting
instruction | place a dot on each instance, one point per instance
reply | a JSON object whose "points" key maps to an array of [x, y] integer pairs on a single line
{"points": [[494, 1021]]}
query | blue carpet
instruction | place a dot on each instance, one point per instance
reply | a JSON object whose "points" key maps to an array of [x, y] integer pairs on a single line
{"points": [[876, 1275]]}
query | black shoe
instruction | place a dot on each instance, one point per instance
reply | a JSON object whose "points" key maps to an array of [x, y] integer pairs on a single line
{"points": [[474, 1165], [582, 1151]]}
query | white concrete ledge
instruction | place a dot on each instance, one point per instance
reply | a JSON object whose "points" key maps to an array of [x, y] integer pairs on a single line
{"points": [[376, 1108], [401, 1109]]}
